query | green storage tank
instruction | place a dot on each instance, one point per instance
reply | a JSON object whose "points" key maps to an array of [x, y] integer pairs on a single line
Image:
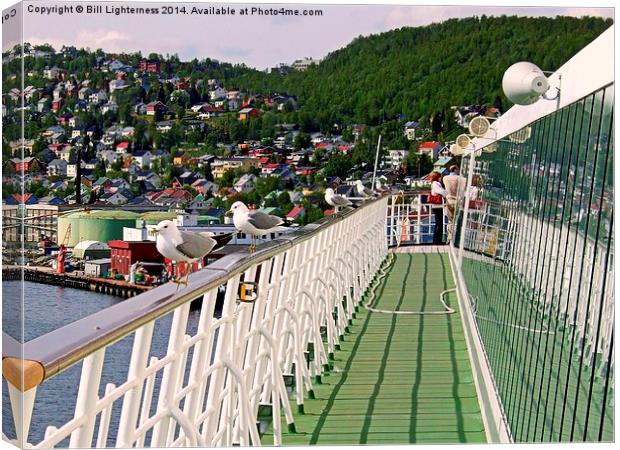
{"points": [[154, 217], [100, 225]]}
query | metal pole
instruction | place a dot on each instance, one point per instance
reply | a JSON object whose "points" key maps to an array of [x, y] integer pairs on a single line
{"points": [[374, 172]]}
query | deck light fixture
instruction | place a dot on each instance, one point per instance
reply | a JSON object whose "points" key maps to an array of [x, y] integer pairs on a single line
{"points": [[524, 84]]}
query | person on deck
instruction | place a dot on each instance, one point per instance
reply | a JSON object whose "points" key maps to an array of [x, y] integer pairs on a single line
{"points": [[436, 199], [455, 185]]}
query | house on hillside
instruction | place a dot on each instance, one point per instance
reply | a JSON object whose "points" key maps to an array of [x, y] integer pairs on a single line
{"points": [[296, 213], [245, 184], [57, 167], [247, 113], [430, 148], [410, 129], [156, 109]]}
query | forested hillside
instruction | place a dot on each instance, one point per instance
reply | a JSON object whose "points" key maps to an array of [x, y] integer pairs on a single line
{"points": [[417, 71]]}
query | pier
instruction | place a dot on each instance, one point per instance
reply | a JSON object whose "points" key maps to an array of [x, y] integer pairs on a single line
{"points": [[46, 275]]}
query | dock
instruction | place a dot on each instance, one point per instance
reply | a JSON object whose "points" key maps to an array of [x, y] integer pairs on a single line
{"points": [[46, 275]]}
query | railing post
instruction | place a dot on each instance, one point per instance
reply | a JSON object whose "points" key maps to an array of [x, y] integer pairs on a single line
{"points": [[87, 398], [201, 356], [22, 404], [22, 376], [171, 374], [223, 351], [131, 402]]}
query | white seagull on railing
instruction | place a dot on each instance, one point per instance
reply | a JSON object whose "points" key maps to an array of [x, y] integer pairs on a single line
{"points": [[186, 247], [362, 190], [336, 200], [379, 187], [255, 223]]}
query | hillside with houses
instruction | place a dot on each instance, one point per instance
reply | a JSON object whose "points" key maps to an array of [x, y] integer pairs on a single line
{"points": [[156, 133], [136, 136]]}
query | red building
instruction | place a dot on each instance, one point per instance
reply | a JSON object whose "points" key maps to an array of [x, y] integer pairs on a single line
{"points": [[124, 254], [156, 108], [149, 66], [27, 164], [57, 104]]}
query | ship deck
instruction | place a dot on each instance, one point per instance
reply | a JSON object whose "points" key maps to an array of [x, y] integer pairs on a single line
{"points": [[398, 378]]}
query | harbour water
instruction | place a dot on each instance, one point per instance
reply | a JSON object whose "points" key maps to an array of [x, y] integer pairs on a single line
{"points": [[49, 307]]}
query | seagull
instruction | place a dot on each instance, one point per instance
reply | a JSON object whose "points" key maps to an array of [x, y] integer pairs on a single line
{"points": [[362, 190], [336, 200], [379, 187], [255, 223], [186, 247]]}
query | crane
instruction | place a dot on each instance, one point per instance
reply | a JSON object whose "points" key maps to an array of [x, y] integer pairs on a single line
{"points": [[62, 251]]}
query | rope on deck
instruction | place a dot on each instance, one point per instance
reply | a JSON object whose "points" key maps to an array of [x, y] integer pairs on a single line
{"points": [[382, 274], [474, 306]]}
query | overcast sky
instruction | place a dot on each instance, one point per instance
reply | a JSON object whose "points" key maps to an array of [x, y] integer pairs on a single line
{"points": [[257, 41]]}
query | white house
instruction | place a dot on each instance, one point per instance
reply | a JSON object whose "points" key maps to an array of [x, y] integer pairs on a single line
{"points": [[410, 129], [98, 97], [109, 107], [76, 132], [108, 156], [233, 104], [141, 157], [64, 154], [84, 93], [57, 167], [117, 84], [51, 73], [246, 183], [72, 169], [58, 92], [395, 158], [164, 126], [217, 93]]}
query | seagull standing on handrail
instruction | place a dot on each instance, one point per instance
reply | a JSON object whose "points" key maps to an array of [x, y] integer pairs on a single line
{"points": [[336, 200], [362, 190], [255, 223], [184, 247]]}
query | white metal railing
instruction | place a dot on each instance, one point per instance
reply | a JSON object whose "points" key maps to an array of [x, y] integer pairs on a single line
{"points": [[410, 219], [487, 230], [207, 388]]}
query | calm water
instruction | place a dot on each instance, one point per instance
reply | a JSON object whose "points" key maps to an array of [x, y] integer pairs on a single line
{"points": [[49, 307]]}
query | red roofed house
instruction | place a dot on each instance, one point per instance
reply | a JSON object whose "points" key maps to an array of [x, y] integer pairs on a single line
{"points": [[123, 147], [431, 148], [56, 147], [305, 170], [296, 213], [262, 160], [267, 169], [170, 197]]}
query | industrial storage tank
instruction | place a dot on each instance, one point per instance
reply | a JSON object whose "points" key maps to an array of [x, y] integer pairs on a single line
{"points": [[154, 217], [99, 225]]}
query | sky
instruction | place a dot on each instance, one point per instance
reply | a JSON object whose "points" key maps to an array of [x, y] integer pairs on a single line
{"points": [[259, 41]]}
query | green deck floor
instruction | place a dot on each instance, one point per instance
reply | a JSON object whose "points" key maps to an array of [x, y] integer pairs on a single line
{"points": [[397, 378]]}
